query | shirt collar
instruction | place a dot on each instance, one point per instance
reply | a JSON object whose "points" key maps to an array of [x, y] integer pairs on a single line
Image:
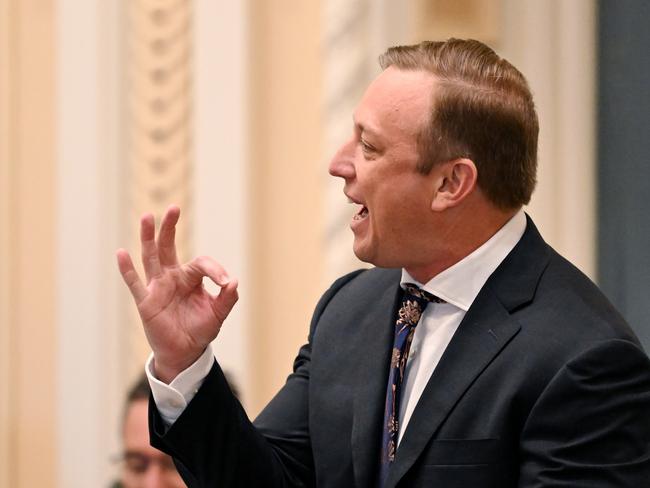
{"points": [[462, 282]]}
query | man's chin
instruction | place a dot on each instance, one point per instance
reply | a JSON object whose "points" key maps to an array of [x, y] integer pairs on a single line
{"points": [[369, 254], [362, 252]]}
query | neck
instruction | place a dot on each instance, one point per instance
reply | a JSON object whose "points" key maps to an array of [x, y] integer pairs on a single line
{"points": [[459, 239]]}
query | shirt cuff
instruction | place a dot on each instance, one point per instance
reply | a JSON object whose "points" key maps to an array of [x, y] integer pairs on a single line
{"points": [[172, 399]]}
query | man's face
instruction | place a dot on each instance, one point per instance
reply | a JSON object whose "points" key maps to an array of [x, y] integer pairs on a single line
{"points": [[379, 166], [144, 466]]}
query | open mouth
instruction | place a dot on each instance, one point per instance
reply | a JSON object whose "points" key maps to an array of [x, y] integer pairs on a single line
{"points": [[361, 214]]}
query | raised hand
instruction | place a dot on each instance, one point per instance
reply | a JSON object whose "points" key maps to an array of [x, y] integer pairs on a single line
{"points": [[179, 316]]}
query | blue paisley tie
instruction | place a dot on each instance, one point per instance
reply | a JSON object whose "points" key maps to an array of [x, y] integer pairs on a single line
{"points": [[414, 302]]}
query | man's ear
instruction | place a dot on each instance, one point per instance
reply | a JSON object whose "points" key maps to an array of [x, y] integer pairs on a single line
{"points": [[456, 180]]}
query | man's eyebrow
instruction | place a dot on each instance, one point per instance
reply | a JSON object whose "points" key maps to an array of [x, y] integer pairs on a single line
{"points": [[364, 128]]}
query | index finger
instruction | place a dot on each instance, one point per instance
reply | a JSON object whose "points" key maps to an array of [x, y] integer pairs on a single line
{"points": [[130, 276]]}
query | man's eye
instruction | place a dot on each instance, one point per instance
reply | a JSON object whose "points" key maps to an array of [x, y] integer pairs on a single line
{"points": [[366, 147], [136, 463]]}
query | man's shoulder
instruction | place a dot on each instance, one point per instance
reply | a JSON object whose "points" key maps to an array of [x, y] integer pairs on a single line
{"points": [[359, 289], [568, 316], [546, 291], [362, 283], [576, 302], [560, 310]]}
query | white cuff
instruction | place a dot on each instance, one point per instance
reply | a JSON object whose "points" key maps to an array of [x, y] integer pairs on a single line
{"points": [[171, 399]]}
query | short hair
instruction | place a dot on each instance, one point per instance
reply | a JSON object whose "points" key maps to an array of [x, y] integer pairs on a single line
{"points": [[483, 110], [140, 390]]}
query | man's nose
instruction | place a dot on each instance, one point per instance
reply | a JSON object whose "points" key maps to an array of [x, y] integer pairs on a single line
{"points": [[342, 164]]}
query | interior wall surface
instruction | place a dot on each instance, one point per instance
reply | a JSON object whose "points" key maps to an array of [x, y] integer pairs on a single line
{"points": [[273, 88], [92, 360], [553, 43], [145, 113], [285, 185], [221, 172], [28, 339], [623, 169], [5, 247]]}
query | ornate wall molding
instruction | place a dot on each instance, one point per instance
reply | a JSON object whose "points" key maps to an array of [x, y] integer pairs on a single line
{"points": [[159, 125], [348, 67]]}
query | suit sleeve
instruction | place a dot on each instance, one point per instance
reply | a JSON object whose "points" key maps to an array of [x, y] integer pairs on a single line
{"points": [[214, 444], [591, 426]]}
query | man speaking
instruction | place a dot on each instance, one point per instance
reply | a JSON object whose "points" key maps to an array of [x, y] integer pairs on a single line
{"points": [[471, 356]]}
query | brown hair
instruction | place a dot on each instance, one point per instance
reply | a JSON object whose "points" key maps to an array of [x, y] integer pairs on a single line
{"points": [[482, 110]]}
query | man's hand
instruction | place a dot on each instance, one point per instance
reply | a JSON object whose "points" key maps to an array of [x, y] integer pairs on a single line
{"points": [[180, 317]]}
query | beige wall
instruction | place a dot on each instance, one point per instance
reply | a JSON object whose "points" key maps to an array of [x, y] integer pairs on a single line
{"points": [[27, 372], [286, 188], [554, 44], [5, 252], [93, 357], [221, 189], [261, 203]]}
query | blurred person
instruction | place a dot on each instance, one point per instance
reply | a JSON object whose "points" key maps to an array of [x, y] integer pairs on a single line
{"points": [[472, 355], [142, 465]]}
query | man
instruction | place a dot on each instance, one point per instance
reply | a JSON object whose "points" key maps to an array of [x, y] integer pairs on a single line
{"points": [[143, 466], [473, 355]]}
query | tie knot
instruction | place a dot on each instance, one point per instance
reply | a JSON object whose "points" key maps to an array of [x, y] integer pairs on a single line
{"points": [[414, 301], [422, 297]]}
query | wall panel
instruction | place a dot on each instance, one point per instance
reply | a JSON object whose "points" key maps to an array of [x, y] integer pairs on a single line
{"points": [[28, 406]]}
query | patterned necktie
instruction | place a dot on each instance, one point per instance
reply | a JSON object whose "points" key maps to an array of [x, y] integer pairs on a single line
{"points": [[414, 302]]}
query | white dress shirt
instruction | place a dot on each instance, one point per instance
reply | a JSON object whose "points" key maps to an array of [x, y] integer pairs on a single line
{"points": [[458, 286]]}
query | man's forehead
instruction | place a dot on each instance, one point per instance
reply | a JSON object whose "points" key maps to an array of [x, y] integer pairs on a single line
{"points": [[363, 124], [395, 96]]}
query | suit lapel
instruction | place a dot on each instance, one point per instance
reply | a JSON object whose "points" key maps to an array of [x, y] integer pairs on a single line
{"points": [[377, 333], [485, 330]]}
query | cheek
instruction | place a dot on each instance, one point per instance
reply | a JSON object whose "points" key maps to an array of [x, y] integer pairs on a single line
{"points": [[391, 218], [404, 215]]}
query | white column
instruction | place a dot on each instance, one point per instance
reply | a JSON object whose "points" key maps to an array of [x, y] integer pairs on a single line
{"points": [[221, 203], [554, 43], [355, 33], [576, 137], [89, 194], [346, 66]]}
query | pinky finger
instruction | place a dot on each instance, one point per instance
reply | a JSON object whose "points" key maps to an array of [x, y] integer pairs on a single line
{"points": [[130, 276]]}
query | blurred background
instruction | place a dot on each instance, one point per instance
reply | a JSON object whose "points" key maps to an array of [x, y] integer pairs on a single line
{"points": [[231, 109]]}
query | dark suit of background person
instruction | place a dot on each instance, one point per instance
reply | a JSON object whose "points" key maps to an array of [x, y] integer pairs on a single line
{"points": [[542, 385]]}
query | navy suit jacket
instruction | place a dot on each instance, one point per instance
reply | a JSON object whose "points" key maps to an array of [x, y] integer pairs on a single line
{"points": [[543, 385]]}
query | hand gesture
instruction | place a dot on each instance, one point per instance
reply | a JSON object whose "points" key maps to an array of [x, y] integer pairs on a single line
{"points": [[179, 316]]}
